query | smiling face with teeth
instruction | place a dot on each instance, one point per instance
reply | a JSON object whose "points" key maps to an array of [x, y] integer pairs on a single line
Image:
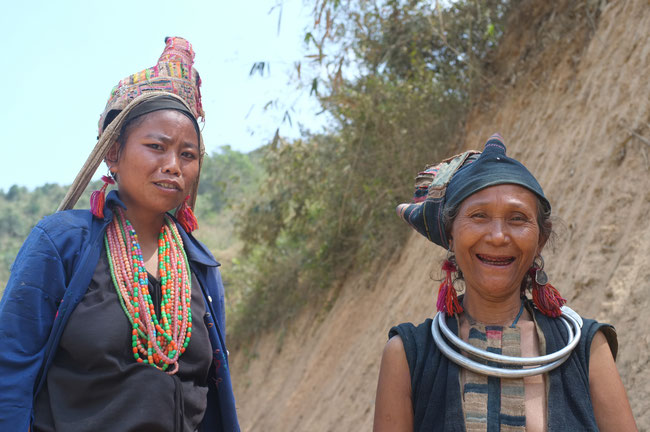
{"points": [[495, 238], [158, 163]]}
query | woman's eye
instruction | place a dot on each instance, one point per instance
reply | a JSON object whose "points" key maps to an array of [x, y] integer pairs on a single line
{"points": [[188, 155], [154, 146], [478, 216], [519, 218]]}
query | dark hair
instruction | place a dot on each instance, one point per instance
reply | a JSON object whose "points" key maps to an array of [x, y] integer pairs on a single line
{"points": [[544, 221]]}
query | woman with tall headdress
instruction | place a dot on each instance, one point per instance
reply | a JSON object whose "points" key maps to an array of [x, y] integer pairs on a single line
{"points": [[113, 317], [492, 359]]}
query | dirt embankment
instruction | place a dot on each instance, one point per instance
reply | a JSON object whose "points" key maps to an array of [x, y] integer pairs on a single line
{"points": [[573, 102]]}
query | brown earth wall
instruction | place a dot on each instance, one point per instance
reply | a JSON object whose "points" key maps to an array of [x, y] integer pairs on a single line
{"points": [[572, 100]]}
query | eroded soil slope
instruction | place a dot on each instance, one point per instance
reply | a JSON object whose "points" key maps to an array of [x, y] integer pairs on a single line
{"points": [[571, 98]]}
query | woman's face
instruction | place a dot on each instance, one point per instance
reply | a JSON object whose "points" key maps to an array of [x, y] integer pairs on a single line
{"points": [[159, 162], [495, 238]]}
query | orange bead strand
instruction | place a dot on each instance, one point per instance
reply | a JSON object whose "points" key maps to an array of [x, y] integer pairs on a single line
{"points": [[157, 341]]}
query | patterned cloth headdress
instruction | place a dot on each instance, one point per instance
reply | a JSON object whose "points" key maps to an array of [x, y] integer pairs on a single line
{"points": [[173, 75], [452, 180]]}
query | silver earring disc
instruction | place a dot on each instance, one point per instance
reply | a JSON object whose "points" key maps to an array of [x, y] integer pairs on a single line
{"points": [[540, 277]]}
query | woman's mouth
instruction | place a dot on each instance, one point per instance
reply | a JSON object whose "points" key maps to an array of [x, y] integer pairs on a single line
{"points": [[169, 186], [495, 260]]}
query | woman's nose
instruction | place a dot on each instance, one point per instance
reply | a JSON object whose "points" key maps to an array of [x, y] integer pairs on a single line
{"points": [[498, 232], [171, 164]]}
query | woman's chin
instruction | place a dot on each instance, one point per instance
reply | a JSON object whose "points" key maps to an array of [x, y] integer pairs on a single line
{"points": [[495, 288]]}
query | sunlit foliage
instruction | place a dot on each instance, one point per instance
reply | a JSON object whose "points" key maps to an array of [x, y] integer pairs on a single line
{"points": [[396, 79]]}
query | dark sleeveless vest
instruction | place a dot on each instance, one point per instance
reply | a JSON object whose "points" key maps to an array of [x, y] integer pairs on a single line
{"points": [[435, 383]]}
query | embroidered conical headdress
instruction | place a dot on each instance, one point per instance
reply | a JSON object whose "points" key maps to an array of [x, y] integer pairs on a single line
{"points": [[174, 74]]}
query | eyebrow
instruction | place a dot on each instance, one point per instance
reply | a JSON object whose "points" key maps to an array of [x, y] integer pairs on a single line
{"points": [[514, 203], [166, 139]]}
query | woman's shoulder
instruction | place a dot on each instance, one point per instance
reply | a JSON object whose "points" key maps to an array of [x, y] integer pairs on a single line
{"points": [[68, 229], [65, 221], [417, 340], [588, 329], [195, 249], [409, 330]]}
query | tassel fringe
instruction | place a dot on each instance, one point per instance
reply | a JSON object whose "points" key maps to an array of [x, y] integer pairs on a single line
{"points": [[546, 298], [186, 218], [98, 198], [447, 297]]}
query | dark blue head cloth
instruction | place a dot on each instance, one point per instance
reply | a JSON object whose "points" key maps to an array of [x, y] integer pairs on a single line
{"points": [[450, 182]]}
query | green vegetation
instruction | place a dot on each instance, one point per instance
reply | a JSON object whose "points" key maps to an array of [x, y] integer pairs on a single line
{"points": [[400, 75], [20, 210], [227, 176], [291, 220]]}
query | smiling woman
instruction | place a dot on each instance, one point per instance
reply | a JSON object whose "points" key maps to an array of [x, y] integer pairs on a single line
{"points": [[492, 359], [114, 316], [495, 239]]}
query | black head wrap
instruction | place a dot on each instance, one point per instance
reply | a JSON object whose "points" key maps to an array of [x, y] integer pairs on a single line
{"points": [[163, 102], [450, 182]]}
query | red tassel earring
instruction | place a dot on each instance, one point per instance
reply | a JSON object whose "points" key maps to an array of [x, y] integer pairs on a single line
{"points": [[547, 299], [185, 217], [447, 298], [98, 198]]}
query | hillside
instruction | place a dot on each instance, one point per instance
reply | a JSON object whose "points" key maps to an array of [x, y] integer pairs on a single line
{"points": [[572, 99]]}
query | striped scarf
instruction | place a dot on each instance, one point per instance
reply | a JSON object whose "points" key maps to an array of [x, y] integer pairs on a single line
{"points": [[492, 403]]}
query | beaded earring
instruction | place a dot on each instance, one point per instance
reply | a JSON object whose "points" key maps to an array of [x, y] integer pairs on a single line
{"points": [[98, 198], [547, 299], [447, 297], [186, 218]]}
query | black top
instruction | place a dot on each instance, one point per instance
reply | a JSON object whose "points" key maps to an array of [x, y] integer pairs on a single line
{"points": [[95, 384], [435, 381]]}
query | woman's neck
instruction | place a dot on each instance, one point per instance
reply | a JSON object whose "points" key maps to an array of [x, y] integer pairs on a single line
{"points": [[147, 227], [494, 311]]}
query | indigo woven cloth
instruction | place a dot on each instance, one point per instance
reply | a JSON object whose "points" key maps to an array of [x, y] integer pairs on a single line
{"points": [[451, 181]]}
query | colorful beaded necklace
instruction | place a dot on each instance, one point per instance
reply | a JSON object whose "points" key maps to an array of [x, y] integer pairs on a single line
{"points": [[158, 341]]}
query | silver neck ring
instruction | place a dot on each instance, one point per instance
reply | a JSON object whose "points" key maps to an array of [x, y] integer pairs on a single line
{"points": [[506, 366]]}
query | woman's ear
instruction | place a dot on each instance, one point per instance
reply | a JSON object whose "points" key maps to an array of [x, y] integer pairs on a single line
{"points": [[541, 243], [111, 159], [113, 155]]}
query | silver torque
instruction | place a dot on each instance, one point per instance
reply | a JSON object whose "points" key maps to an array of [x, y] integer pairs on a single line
{"points": [[519, 361], [483, 369]]}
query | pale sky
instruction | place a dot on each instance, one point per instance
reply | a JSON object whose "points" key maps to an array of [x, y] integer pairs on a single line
{"points": [[60, 59]]}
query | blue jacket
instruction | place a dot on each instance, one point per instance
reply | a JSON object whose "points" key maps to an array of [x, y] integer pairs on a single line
{"points": [[48, 279]]}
